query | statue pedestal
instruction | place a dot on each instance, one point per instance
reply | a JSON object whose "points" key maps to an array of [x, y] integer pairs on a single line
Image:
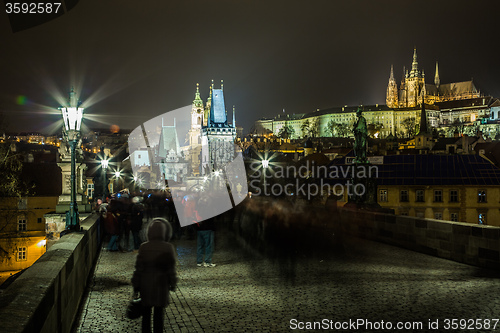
{"points": [[364, 187], [65, 197], [56, 223]]}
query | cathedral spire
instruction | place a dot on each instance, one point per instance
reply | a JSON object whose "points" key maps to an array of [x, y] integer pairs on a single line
{"points": [[392, 73], [414, 64], [437, 82]]}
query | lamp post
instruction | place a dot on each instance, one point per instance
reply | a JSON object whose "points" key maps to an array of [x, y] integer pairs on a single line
{"points": [[72, 117], [104, 167], [117, 181]]}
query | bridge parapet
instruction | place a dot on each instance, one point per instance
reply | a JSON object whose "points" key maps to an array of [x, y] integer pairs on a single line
{"points": [[46, 297], [468, 243]]}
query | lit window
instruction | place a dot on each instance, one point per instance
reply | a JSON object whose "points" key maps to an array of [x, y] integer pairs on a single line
{"points": [[21, 253], [404, 196], [383, 196], [482, 218], [438, 196], [481, 196], [419, 196], [21, 223], [453, 196]]}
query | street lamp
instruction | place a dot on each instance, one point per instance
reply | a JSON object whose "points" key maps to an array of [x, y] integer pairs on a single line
{"points": [[118, 176], [72, 117], [104, 167]]}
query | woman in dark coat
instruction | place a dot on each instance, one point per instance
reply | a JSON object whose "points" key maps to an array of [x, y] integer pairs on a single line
{"points": [[155, 275]]}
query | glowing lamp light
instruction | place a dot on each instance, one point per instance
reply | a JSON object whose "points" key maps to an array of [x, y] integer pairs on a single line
{"points": [[104, 164], [117, 174], [265, 163], [41, 243], [216, 173], [72, 117], [205, 178]]}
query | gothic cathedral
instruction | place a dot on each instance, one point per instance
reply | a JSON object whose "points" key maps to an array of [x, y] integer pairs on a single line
{"points": [[413, 88]]}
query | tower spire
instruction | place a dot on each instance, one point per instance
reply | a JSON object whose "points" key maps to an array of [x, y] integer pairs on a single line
{"points": [[414, 64], [198, 102], [222, 84], [437, 82], [234, 122], [423, 119], [392, 73]]}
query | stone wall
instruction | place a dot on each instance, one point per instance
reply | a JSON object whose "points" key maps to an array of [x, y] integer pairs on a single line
{"points": [[46, 297], [472, 244]]}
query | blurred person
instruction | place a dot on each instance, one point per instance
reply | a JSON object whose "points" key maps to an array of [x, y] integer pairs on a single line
{"points": [[155, 276], [137, 215], [112, 229], [205, 243]]}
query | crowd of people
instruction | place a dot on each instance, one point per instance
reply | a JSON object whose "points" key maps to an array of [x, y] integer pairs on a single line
{"points": [[122, 216]]}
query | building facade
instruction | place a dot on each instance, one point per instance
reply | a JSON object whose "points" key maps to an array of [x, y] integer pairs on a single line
{"points": [[446, 106]]}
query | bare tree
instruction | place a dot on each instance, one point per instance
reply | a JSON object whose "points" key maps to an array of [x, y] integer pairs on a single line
{"points": [[409, 124], [338, 129]]}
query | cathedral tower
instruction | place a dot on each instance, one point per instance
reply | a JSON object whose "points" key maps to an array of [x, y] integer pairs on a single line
{"points": [[392, 91], [414, 83]]}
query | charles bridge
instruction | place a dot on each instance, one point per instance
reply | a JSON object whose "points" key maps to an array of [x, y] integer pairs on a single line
{"points": [[279, 268]]}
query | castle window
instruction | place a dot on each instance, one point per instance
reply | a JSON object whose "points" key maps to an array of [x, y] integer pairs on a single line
{"points": [[419, 196], [453, 195], [383, 196], [404, 196], [481, 196], [21, 253], [438, 196], [21, 223]]}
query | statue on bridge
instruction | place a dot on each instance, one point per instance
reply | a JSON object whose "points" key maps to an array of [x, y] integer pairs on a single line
{"points": [[360, 131]]}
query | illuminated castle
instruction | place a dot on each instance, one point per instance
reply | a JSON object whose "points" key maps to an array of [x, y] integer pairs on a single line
{"points": [[413, 88]]}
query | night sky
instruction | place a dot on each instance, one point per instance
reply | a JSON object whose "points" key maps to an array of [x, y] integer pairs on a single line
{"points": [[134, 60]]}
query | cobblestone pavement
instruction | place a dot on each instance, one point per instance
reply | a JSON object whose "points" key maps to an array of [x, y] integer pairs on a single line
{"points": [[249, 293]]}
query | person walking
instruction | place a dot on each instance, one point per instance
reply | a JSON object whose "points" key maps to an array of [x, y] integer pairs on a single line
{"points": [[205, 242], [136, 220], [112, 229], [155, 276]]}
